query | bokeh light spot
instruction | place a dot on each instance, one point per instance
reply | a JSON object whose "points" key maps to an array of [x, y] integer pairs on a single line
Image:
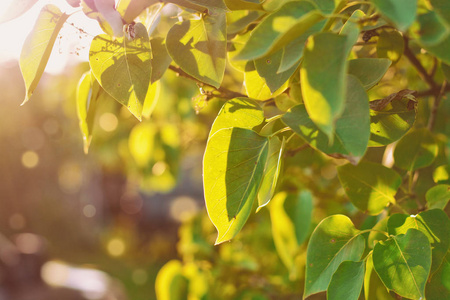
{"points": [[30, 159], [89, 211], [108, 122], [116, 247]]}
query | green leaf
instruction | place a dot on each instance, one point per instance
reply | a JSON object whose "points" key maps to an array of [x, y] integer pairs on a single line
{"points": [[438, 287], [87, 94], [417, 149], [333, 241], [16, 9], [293, 51], [256, 87], [238, 112], [352, 28], [432, 30], [438, 196], [123, 67], [170, 283], [290, 215], [347, 281], [391, 123], [38, 46], [267, 67], [233, 167], [441, 50], [352, 128], [368, 70], [370, 186], [442, 8], [374, 289], [400, 12], [434, 224], [403, 263], [271, 171], [199, 47], [161, 59], [323, 85], [280, 28], [241, 24], [243, 4], [390, 45]]}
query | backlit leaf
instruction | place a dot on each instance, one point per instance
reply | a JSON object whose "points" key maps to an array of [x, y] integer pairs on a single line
{"points": [[267, 68], [374, 288], [130, 9], [233, 167], [123, 67], [347, 281], [370, 186], [403, 263], [279, 29], [271, 171], [199, 47], [38, 46], [433, 223], [160, 58], [323, 85], [87, 93], [256, 87], [238, 112], [442, 174], [333, 241], [417, 149], [170, 283], [352, 127], [290, 215]]}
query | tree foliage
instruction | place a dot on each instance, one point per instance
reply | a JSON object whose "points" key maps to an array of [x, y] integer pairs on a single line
{"points": [[309, 89]]}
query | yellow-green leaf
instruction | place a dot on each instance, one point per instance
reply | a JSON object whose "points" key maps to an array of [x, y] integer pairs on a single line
{"points": [[333, 241], [199, 47], [403, 263], [87, 94], [271, 171], [370, 186], [323, 84], [123, 66], [38, 46], [233, 167]]}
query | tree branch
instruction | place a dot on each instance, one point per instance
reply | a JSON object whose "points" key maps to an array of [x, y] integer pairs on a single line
{"points": [[437, 101], [416, 63], [223, 92]]}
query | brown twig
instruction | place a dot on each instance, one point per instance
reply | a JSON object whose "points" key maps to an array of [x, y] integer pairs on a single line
{"points": [[223, 92], [432, 92], [434, 109], [417, 64]]}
